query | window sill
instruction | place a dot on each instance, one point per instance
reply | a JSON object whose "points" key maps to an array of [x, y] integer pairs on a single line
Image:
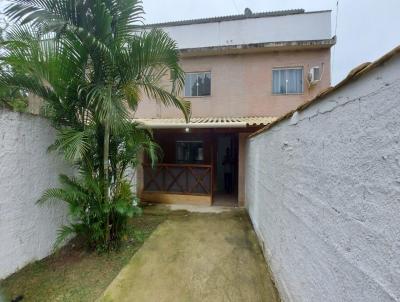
{"points": [[197, 97], [286, 94]]}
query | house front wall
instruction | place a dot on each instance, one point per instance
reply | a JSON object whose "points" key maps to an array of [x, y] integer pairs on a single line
{"points": [[241, 84]]}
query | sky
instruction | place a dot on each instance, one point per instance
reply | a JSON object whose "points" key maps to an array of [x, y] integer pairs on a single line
{"points": [[366, 29]]}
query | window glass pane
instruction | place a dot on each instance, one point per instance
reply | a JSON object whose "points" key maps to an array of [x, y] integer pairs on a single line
{"points": [[179, 152], [291, 80], [200, 84], [205, 84], [188, 85], [295, 81], [194, 84], [275, 82], [299, 81], [282, 81]]}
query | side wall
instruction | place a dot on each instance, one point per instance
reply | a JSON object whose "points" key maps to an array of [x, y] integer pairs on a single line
{"points": [[323, 192], [27, 231]]}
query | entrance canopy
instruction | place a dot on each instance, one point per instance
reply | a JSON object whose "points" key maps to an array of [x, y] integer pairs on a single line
{"points": [[206, 122]]}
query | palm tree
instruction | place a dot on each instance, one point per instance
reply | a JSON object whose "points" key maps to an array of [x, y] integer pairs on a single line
{"points": [[11, 98], [90, 61]]}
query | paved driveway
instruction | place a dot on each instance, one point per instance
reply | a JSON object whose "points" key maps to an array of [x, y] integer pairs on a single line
{"points": [[196, 257]]}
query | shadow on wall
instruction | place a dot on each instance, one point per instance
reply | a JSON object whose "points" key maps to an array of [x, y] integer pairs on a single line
{"points": [[320, 191]]}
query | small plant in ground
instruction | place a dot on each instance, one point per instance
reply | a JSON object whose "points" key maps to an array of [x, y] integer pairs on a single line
{"points": [[89, 214], [90, 62]]}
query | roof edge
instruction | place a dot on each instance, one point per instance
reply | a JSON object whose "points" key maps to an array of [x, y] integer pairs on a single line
{"points": [[278, 13], [223, 49], [353, 75], [205, 122]]}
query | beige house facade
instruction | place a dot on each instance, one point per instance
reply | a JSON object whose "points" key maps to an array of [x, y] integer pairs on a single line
{"points": [[242, 73], [241, 84]]}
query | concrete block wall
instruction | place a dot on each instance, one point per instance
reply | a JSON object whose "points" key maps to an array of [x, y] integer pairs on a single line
{"points": [[323, 192], [27, 231]]}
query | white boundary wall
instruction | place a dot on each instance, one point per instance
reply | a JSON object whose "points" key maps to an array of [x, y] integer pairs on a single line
{"points": [[323, 192], [27, 231]]}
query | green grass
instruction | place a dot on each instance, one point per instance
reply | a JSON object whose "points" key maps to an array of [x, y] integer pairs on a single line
{"points": [[73, 274]]}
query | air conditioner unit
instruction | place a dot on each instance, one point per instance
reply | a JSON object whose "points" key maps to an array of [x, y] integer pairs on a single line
{"points": [[314, 75]]}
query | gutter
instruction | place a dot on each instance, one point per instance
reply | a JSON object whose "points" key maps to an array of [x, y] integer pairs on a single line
{"points": [[199, 125]]}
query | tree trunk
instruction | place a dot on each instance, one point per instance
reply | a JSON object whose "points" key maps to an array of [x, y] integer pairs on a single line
{"points": [[106, 151]]}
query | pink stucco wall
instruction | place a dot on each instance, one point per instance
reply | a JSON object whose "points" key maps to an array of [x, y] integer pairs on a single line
{"points": [[241, 84]]}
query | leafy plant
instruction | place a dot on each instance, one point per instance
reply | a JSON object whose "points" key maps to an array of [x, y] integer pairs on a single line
{"points": [[13, 99], [10, 97], [89, 213], [91, 62]]}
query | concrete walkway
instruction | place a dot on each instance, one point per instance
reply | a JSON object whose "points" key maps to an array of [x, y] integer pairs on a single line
{"points": [[196, 257]]}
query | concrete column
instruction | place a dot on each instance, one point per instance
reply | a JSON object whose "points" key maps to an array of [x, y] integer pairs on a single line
{"points": [[140, 177], [241, 167]]}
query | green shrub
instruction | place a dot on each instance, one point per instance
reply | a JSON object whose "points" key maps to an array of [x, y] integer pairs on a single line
{"points": [[90, 216]]}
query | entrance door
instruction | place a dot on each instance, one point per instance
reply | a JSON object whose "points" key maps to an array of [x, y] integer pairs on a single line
{"points": [[226, 170]]}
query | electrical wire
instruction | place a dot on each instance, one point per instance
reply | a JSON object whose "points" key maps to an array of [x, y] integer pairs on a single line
{"points": [[336, 27], [337, 14], [235, 5]]}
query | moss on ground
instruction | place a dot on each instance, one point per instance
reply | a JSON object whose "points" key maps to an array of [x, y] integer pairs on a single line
{"points": [[197, 257], [73, 274]]}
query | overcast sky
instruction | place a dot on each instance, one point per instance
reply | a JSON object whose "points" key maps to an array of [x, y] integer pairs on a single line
{"points": [[366, 28]]}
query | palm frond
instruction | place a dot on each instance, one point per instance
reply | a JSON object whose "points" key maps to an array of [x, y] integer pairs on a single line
{"points": [[55, 195], [127, 14], [166, 98], [73, 143], [108, 107], [63, 234]]}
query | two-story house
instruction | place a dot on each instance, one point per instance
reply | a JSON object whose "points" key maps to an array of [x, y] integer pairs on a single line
{"points": [[242, 72]]}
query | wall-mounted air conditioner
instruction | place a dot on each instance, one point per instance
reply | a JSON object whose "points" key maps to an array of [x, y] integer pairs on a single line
{"points": [[314, 76]]}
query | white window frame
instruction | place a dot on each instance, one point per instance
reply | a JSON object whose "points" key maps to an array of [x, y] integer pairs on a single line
{"points": [[197, 72], [288, 68]]}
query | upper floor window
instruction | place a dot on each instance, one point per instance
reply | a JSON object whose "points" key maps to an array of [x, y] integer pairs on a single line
{"points": [[198, 84], [287, 80]]}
